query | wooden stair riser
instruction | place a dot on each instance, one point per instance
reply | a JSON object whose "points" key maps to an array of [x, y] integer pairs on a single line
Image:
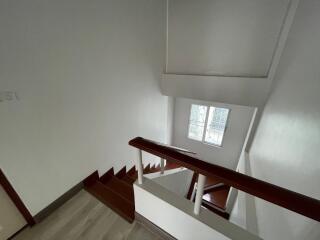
{"points": [[113, 200], [121, 187], [105, 177], [132, 170], [122, 172]]}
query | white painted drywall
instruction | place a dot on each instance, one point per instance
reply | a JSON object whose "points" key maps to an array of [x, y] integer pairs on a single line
{"points": [[170, 115], [87, 75], [229, 153], [174, 214], [232, 90], [285, 150], [223, 37], [177, 182], [225, 50]]}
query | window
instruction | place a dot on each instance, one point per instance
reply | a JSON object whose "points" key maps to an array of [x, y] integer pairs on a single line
{"points": [[197, 121], [208, 124]]}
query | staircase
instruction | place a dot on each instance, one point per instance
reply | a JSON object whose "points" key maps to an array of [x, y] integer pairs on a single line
{"points": [[215, 195], [116, 190]]}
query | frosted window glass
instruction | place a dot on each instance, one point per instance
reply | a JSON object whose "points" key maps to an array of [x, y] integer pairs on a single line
{"points": [[197, 121], [217, 121]]}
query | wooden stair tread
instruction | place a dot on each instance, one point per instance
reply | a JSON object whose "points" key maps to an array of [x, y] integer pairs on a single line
{"points": [[218, 197], [211, 181], [113, 200], [121, 187], [219, 212], [171, 165], [132, 174], [154, 169], [129, 179]]}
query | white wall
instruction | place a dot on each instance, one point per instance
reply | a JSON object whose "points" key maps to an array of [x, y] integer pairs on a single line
{"points": [[229, 153], [233, 90], [170, 116], [177, 182], [87, 76], [223, 37], [286, 150]]}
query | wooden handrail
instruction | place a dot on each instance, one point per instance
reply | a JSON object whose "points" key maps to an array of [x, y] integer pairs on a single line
{"points": [[174, 147], [288, 199]]}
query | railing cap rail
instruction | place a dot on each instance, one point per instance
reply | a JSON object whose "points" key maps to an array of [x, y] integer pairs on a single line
{"points": [[288, 199]]}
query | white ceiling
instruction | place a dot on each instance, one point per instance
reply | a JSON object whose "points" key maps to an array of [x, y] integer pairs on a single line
{"points": [[223, 37]]}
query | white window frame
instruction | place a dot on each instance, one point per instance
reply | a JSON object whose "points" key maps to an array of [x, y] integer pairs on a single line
{"points": [[206, 123]]}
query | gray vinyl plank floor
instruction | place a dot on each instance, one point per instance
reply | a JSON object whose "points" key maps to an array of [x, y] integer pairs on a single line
{"points": [[85, 218]]}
